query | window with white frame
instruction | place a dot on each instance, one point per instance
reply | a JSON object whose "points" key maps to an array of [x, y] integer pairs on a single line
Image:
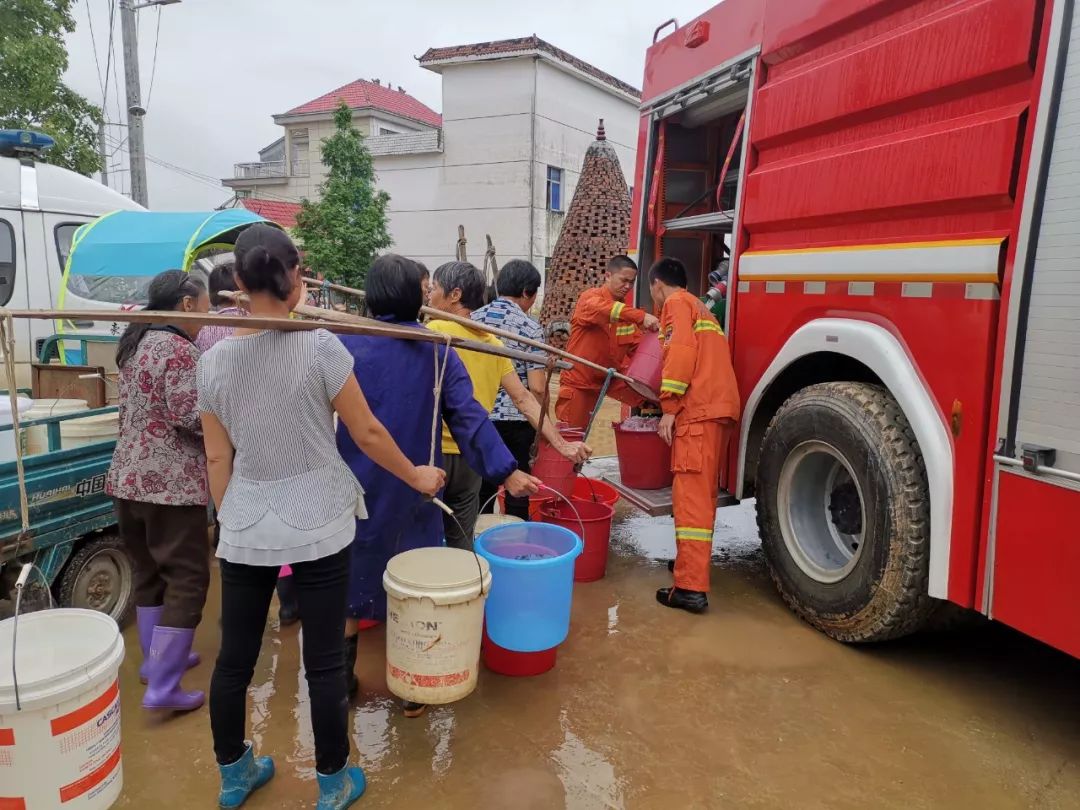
{"points": [[554, 189]]}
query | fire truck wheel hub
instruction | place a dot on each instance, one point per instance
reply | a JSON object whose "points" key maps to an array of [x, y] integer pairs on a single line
{"points": [[821, 511]]}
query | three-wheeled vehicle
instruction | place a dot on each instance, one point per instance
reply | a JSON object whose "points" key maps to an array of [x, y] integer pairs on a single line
{"points": [[72, 537]]}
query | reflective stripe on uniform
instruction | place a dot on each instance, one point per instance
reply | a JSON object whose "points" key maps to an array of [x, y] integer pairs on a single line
{"points": [[616, 310], [623, 331], [691, 533], [673, 386], [707, 326]]}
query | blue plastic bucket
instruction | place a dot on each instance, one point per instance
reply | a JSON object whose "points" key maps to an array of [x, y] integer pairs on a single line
{"points": [[532, 584]]}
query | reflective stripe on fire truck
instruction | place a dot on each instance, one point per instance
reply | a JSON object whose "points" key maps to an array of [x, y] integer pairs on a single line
{"points": [[970, 260]]}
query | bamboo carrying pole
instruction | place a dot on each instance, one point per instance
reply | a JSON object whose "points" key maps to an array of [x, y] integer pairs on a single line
{"points": [[482, 327], [340, 322]]}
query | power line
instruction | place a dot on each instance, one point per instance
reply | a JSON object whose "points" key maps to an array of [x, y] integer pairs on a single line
{"points": [[153, 69], [97, 63]]}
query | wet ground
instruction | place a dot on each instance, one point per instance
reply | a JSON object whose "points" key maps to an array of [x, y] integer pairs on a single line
{"points": [[647, 707]]}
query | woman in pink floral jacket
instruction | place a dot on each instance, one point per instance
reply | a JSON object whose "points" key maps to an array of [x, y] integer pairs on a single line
{"points": [[158, 478]]}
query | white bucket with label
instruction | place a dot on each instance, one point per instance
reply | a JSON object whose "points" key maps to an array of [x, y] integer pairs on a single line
{"points": [[36, 439], [434, 623], [62, 748], [7, 437], [105, 427], [485, 522]]}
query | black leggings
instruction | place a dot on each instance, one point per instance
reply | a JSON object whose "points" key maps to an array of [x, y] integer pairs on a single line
{"points": [[321, 589]]}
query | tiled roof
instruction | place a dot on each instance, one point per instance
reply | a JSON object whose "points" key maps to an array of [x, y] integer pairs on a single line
{"points": [[283, 213], [365, 95], [519, 46]]}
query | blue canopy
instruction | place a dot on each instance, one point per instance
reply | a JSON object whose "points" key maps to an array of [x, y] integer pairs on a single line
{"points": [[145, 243]]}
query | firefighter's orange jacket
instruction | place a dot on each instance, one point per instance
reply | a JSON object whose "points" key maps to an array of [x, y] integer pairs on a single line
{"points": [[602, 330], [698, 381]]}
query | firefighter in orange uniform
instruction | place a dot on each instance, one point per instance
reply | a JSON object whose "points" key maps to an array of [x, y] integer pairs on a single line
{"points": [[700, 401], [605, 330]]}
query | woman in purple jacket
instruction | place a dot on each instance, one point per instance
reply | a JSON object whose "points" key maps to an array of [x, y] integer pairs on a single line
{"points": [[399, 519]]}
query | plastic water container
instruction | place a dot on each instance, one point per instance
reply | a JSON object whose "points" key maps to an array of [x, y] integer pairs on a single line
{"points": [[434, 623], [63, 748], [646, 367], [516, 664], [532, 567], [556, 471], [36, 439], [536, 502], [105, 427], [7, 437], [591, 489], [591, 521], [644, 458]]}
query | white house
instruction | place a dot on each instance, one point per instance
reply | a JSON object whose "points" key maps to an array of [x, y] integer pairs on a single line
{"points": [[502, 159]]}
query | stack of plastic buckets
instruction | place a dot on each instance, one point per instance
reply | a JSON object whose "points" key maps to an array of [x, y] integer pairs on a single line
{"points": [[528, 610]]}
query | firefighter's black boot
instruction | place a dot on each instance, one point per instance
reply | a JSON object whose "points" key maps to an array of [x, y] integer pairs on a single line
{"points": [[692, 601], [289, 610]]}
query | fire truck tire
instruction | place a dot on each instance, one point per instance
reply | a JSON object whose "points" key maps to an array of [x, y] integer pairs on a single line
{"points": [[843, 512], [100, 575]]}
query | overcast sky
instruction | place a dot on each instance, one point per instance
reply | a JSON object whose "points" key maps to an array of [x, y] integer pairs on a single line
{"points": [[224, 67]]}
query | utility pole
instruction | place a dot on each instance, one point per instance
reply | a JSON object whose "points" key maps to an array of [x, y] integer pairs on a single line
{"points": [[136, 149], [104, 155]]}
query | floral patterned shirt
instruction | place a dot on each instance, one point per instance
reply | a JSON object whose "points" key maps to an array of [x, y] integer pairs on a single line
{"points": [[159, 455]]}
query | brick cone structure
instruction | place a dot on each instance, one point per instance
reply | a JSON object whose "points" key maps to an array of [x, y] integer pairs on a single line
{"points": [[597, 227]]}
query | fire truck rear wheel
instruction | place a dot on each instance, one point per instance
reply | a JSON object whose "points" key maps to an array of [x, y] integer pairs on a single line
{"points": [[844, 512]]}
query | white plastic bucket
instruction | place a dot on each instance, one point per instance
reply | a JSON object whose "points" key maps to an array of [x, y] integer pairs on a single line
{"points": [[435, 621], [36, 439], [62, 749], [7, 437], [485, 522], [104, 427]]}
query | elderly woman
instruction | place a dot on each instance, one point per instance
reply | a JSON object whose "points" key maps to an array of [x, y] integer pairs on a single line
{"points": [[158, 478], [398, 518]]}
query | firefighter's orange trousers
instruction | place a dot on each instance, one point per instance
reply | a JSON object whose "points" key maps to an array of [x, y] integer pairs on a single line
{"points": [[575, 405], [696, 453]]}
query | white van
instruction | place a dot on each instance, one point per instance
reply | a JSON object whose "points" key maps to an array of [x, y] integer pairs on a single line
{"points": [[41, 206]]}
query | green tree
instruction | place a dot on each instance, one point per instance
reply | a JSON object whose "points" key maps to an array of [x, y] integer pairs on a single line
{"points": [[344, 231], [32, 93]]}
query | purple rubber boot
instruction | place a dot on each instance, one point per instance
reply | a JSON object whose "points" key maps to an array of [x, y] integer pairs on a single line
{"points": [[147, 618], [169, 651]]}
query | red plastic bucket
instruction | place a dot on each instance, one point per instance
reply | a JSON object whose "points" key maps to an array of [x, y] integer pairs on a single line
{"points": [[647, 366], [536, 502], [590, 489], [591, 521], [644, 459], [516, 664], [554, 470]]}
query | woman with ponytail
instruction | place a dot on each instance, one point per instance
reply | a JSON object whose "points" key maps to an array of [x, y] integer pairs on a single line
{"points": [[158, 478], [285, 497]]}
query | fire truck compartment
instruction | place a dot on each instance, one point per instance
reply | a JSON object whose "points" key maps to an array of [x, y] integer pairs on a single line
{"points": [[653, 502], [697, 151]]}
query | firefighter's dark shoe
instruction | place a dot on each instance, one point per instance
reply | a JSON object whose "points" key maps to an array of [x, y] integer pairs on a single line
{"points": [[671, 566], [692, 601]]}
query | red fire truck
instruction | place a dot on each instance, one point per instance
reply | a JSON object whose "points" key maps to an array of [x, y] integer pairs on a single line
{"points": [[896, 184]]}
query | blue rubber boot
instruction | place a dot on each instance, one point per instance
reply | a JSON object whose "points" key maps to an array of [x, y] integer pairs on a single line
{"points": [[243, 777], [339, 790]]}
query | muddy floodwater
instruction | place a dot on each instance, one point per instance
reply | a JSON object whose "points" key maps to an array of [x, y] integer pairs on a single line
{"points": [[649, 707]]}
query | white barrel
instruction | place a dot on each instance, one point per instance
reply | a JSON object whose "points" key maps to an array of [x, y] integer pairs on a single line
{"points": [[36, 439], [485, 522], [7, 437], [62, 749], [104, 427], [434, 623]]}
